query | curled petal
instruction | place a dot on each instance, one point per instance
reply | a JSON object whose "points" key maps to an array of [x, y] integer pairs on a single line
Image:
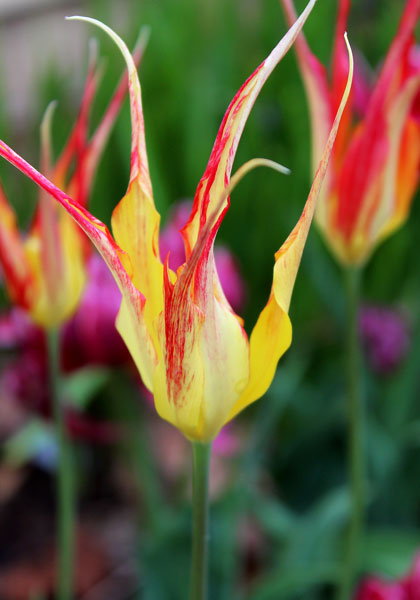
{"points": [[135, 220], [139, 162], [92, 153]]}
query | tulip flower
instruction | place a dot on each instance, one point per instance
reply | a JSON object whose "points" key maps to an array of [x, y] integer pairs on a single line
{"points": [[44, 271], [190, 347], [374, 167], [367, 192]]}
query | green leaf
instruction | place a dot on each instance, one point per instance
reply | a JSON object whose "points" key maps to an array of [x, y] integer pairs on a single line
{"points": [[80, 387], [34, 437], [292, 581], [389, 552]]}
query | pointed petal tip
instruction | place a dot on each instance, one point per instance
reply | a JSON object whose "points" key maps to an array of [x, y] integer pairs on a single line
{"points": [[114, 36], [48, 115]]}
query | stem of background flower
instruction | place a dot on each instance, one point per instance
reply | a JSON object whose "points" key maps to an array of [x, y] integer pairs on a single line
{"points": [[356, 446], [64, 477], [200, 506]]}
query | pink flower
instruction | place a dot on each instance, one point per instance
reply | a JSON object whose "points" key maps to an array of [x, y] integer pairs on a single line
{"points": [[90, 336], [377, 589], [413, 581]]}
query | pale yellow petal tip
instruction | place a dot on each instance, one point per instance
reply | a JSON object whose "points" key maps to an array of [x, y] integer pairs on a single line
{"points": [[351, 65], [49, 113], [114, 36]]}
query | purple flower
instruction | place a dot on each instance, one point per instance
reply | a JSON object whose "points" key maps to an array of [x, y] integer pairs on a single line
{"points": [[385, 335], [90, 336]]}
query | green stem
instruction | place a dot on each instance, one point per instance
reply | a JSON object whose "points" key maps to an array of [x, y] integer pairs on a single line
{"points": [[65, 504], [356, 440], [200, 536]]}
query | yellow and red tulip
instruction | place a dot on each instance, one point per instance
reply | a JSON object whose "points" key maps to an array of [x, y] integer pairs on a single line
{"points": [[44, 271], [190, 347], [374, 167]]}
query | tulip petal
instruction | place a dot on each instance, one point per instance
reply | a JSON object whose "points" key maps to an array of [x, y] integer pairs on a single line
{"points": [[217, 174], [316, 84], [272, 333], [205, 354], [16, 271], [135, 220], [136, 333], [400, 171], [45, 236], [92, 152]]}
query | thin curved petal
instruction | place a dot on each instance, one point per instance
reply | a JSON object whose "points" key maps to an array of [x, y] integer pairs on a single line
{"points": [[135, 220], [272, 333], [316, 84], [94, 148], [217, 174]]}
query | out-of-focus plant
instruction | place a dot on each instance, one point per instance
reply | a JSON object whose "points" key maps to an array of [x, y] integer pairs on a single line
{"points": [[190, 347], [45, 271], [367, 193]]}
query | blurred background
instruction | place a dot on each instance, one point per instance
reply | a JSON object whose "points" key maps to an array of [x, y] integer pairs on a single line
{"points": [[280, 501]]}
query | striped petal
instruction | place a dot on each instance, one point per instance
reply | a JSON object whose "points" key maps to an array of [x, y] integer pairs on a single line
{"points": [[317, 90], [272, 333], [83, 178], [135, 220], [217, 174]]}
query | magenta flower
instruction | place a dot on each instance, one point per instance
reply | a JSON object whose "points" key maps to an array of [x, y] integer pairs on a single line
{"points": [[90, 336], [385, 334], [377, 589], [406, 588]]}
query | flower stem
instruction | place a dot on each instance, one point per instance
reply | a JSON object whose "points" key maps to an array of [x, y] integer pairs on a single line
{"points": [[356, 446], [64, 482], [200, 536]]}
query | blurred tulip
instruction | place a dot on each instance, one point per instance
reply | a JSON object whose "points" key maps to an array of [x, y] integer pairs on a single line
{"points": [[44, 271], [385, 335], [374, 168], [188, 344]]}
